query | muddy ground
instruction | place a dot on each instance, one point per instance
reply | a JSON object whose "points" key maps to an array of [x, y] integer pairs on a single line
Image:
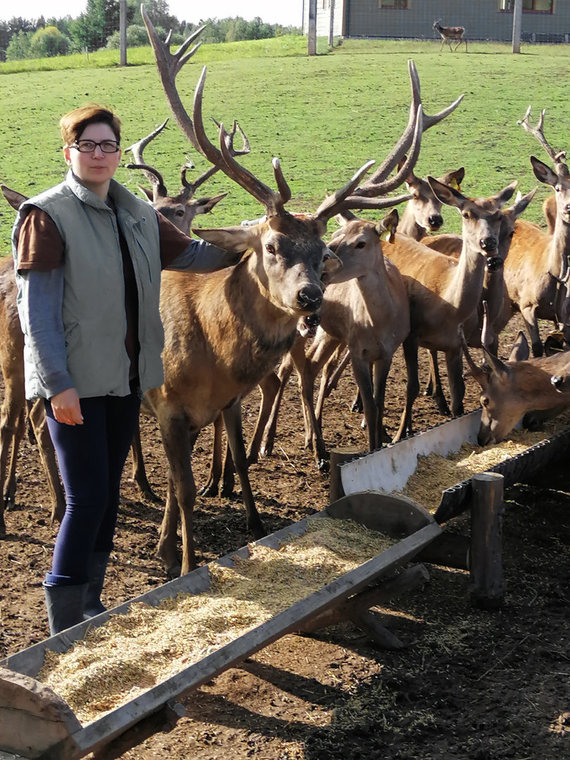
{"points": [[468, 685]]}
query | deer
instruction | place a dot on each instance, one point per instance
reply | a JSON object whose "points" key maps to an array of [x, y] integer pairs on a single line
{"points": [[181, 210], [15, 410], [422, 207], [518, 389], [494, 293], [450, 34], [225, 330], [444, 291], [538, 260]]}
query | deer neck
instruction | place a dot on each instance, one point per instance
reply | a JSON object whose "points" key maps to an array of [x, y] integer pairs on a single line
{"points": [[408, 225], [559, 248], [463, 289]]}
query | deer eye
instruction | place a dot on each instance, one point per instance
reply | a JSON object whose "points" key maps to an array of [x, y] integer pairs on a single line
{"points": [[360, 244], [270, 248], [485, 401], [466, 215], [179, 212]]}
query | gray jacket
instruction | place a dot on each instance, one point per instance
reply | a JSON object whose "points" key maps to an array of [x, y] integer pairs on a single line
{"points": [[73, 317]]}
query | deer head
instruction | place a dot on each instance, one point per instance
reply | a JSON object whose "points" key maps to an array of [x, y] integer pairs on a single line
{"points": [[511, 389], [280, 238]]}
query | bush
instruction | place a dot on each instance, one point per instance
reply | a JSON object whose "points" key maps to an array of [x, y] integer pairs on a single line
{"points": [[48, 42]]}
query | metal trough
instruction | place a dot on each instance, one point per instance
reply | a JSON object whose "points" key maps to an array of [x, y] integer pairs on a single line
{"points": [[36, 723], [389, 469]]}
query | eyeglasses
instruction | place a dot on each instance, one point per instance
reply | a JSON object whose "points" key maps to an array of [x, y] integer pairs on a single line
{"points": [[88, 146]]}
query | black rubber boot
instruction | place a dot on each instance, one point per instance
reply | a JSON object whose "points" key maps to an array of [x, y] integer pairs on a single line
{"points": [[64, 606], [97, 569]]}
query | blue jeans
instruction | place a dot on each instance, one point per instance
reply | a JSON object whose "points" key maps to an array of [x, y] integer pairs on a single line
{"points": [[91, 459]]}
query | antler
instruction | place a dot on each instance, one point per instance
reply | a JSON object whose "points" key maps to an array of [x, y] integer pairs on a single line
{"points": [[377, 184], [558, 157]]}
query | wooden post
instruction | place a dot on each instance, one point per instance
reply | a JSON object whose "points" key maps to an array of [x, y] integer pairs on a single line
{"points": [[337, 457], [486, 566], [331, 24]]}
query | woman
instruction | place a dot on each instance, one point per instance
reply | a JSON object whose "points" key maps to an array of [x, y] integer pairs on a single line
{"points": [[88, 256]]}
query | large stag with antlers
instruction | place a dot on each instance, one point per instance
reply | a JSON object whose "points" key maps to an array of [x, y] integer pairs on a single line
{"points": [[226, 330], [537, 265]]}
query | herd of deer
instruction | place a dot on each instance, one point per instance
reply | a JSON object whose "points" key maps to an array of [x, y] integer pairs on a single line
{"points": [[375, 286]]}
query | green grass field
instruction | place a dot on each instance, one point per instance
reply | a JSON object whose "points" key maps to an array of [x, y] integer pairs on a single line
{"points": [[323, 116]]}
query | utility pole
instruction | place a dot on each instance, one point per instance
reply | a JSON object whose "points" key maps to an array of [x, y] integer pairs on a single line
{"points": [[123, 31], [517, 24], [331, 24], [312, 28]]}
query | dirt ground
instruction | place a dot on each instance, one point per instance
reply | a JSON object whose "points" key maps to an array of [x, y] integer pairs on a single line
{"points": [[468, 685]]}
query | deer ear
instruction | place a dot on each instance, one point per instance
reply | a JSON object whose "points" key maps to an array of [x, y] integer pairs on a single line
{"points": [[520, 350], [232, 239], [14, 198], [446, 194], [542, 172], [387, 227]]}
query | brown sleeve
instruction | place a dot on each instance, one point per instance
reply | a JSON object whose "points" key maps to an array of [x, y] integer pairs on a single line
{"points": [[40, 245], [172, 241]]}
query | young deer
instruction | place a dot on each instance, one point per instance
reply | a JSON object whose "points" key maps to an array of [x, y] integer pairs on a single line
{"points": [[444, 291], [494, 293], [14, 406], [450, 34], [538, 261], [522, 385]]}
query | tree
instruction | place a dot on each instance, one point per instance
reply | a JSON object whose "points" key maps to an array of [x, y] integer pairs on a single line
{"points": [[19, 46], [48, 42], [91, 29]]}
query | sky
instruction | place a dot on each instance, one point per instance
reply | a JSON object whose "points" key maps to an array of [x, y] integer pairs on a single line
{"points": [[285, 12]]}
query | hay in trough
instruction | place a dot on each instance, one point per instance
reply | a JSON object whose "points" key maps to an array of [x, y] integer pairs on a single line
{"points": [[133, 652], [434, 473]]}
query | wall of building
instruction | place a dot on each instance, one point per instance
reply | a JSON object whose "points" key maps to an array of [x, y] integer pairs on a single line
{"points": [[482, 20]]}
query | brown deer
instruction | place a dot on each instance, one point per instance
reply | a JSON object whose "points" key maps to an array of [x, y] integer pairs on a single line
{"points": [[422, 213], [444, 291], [180, 209], [538, 260], [376, 185], [225, 331], [513, 390], [15, 410], [494, 293], [449, 35]]}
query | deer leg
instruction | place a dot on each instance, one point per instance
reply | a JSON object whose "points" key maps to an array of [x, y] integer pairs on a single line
{"points": [[269, 387], [381, 370], [528, 314], [12, 426], [361, 370], [38, 420], [410, 348], [454, 361], [232, 421], [270, 427], [228, 479], [211, 487], [330, 378], [318, 356], [178, 441], [437, 386], [138, 473]]}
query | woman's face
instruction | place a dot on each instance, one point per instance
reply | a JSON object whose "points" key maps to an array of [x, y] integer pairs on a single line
{"points": [[94, 169]]}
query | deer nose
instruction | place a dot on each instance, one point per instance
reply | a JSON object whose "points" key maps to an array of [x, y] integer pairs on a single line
{"points": [[310, 298], [488, 244], [435, 221]]}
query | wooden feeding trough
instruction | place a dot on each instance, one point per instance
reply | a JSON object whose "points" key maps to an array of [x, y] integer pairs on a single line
{"points": [[36, 723], [389, 469]]}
